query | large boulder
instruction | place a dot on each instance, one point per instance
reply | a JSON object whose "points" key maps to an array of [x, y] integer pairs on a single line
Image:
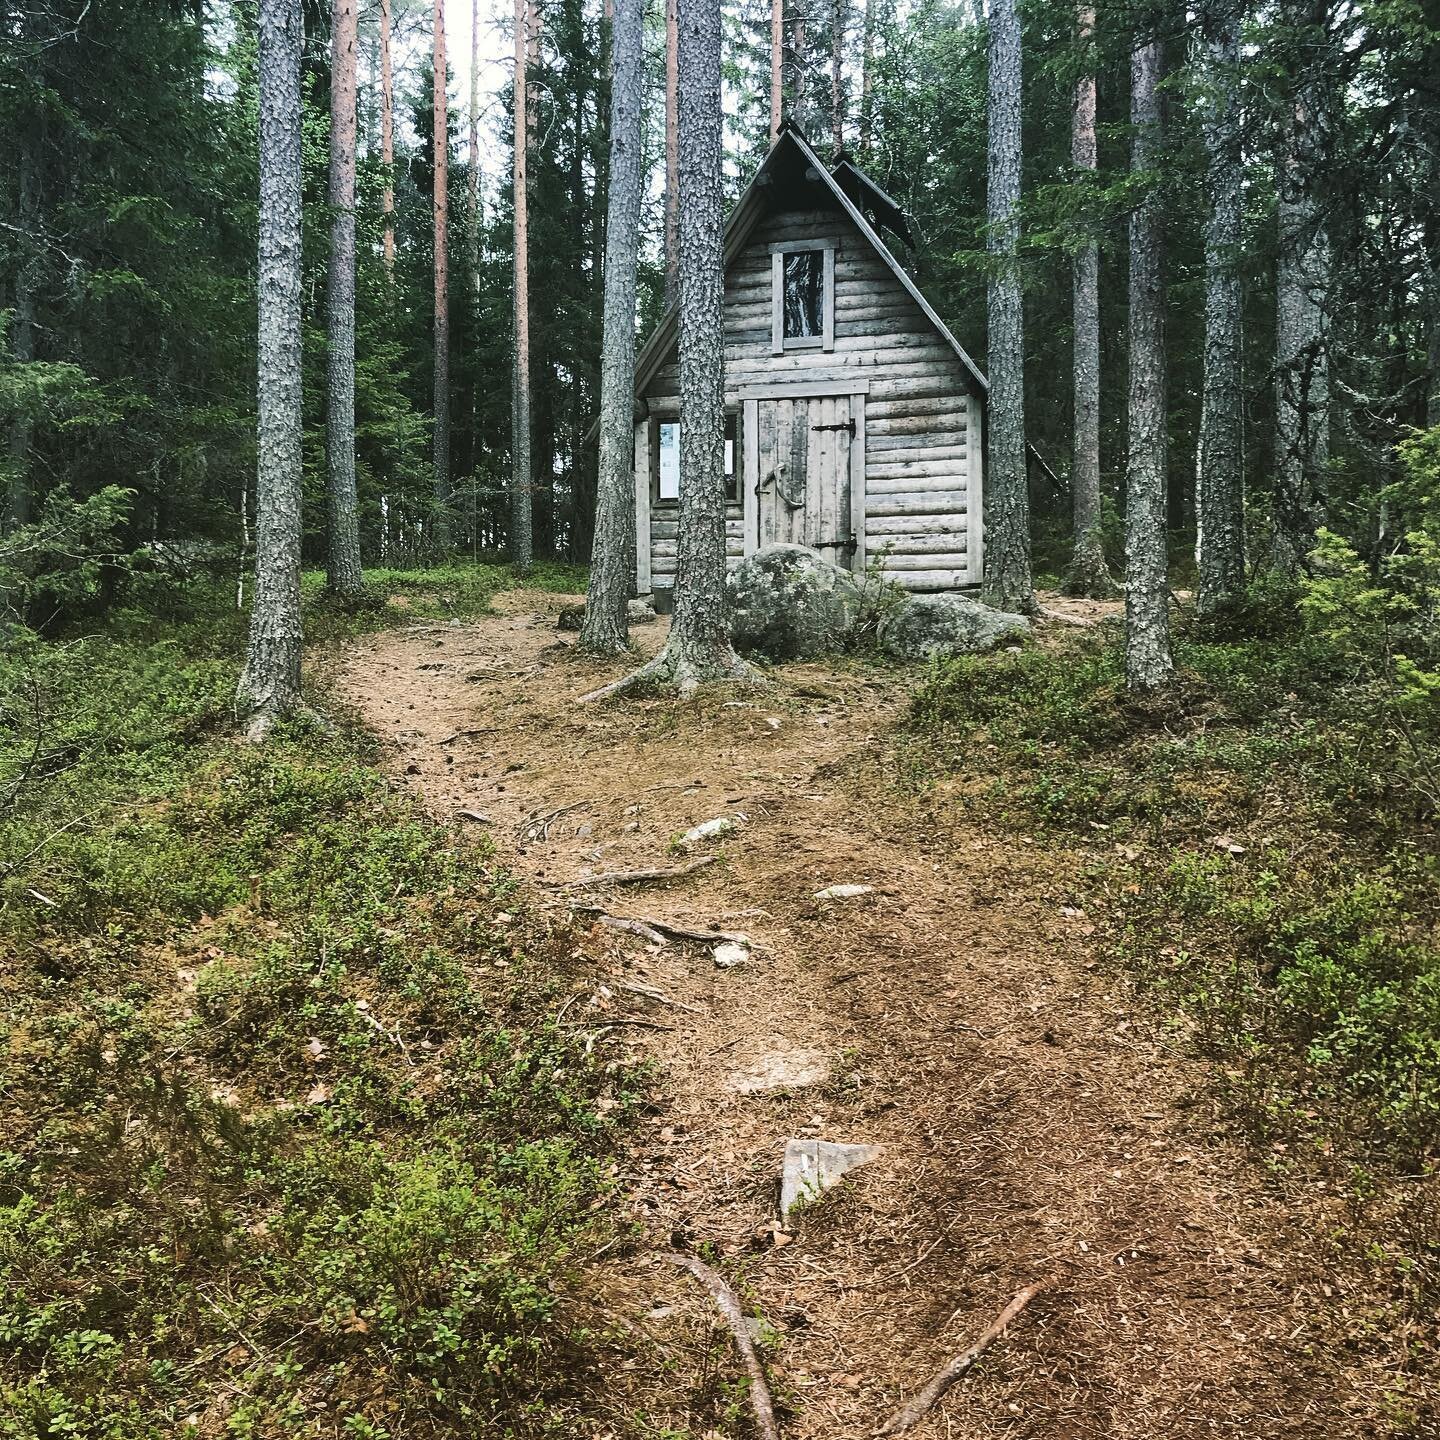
{"points": [[929, 627], [788, 602]]}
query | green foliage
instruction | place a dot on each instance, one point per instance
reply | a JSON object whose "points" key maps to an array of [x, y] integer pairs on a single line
{"points": [[290, 1139], [1266, 837], [59, 560]]}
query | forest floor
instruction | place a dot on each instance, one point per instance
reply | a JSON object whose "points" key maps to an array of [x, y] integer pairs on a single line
{"points": [[1035, 1126]]}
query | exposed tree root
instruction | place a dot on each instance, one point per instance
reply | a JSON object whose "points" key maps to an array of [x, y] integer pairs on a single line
{"points": [[670, 671], [917, 1408], [728, 1304]]}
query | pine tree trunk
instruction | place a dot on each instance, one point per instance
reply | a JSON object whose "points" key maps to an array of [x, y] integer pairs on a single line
{"points": [[698, 647], [444, 532], [838, 19], [1147, 616], [521, 536], [777, 67], [672, 154], [22, 323], [1219, 468], [867, 66], [1008, 584], [387, 142], [270, 682], [1088, 574], [1302, 329], [606, 627], [343, 554]]}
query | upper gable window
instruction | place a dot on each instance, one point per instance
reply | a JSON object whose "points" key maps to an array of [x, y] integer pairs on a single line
{"points": [[803, 302]]}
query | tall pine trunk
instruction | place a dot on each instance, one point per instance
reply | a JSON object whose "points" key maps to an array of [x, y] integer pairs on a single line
{"points": [[343, 551], [867, 78], [777, 67], [606, 627], [1088, 573], [1008, 583], [698, 647], [838, 19], [387, 143], [1147, 615], [1302, 319], [270, 682], [444, 533], [1219, 461], [521, 522], [22, 324], [672, 154]]}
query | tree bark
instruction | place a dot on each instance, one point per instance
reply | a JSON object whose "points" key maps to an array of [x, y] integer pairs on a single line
{"points": [[270, 682], [867, 65], [672, 154], [444, 534], [387, 143], [838, 18], [22, 324], [606, 627], [343, 554], [1148, 665], [698, 647], [521, 536], [1088, 573], [777, 67], [1302, 324], [1008, 584], [1219, 468]]}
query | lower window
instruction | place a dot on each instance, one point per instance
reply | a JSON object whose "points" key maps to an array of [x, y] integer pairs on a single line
{"points": [[665, 459]]}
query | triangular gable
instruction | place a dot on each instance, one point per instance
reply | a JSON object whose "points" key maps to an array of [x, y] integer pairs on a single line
{"points": [[750, 210]]}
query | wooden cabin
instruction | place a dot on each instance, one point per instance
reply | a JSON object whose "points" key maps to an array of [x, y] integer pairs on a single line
{"points": [[853, 415]]}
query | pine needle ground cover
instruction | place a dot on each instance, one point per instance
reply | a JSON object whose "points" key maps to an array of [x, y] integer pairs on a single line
{"points": [[289, 1144], [1259, 850]]}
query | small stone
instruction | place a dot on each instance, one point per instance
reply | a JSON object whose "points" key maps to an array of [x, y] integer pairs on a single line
{"points": [[813, 1166], [844, 892], [729, 954]]}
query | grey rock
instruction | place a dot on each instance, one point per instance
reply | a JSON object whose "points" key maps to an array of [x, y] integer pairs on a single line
{"points": [[572, 617], [788, 602], [929, 627], [813, 1166]]}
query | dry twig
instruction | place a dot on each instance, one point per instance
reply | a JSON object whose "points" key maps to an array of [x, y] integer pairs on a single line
{"points": [[641, 877], [917, 1408], [728, 1304]]}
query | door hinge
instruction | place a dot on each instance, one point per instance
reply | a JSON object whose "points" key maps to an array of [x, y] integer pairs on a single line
{"points": [[847, 425]]}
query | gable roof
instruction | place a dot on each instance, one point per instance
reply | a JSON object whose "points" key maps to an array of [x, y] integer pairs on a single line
{"points": [[790, 149]]}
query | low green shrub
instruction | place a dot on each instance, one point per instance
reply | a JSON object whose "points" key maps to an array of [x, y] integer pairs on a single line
{"points": [[290, 1142]]}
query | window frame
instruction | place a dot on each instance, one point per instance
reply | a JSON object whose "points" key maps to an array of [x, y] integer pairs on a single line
{"points": [[826, 339], [733, 421]]}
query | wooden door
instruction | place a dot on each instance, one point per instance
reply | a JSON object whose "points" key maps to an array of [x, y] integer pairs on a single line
{"points": [[807, 453]]}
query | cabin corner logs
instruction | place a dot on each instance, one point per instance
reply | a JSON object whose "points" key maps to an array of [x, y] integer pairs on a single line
{"points": [[853, 417]]}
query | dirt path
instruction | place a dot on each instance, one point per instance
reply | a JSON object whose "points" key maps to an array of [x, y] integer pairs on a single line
{"points": [[1030, 1129]]}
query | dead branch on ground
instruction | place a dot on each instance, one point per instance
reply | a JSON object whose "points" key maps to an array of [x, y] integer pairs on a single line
{"points": [[641, 877], [916, 1409], [659, 929], [728, 1303]]}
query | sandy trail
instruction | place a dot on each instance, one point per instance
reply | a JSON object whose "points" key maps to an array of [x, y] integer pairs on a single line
{"points": [[1032, 1127]]}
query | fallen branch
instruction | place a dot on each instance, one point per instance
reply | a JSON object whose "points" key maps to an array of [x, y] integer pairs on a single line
{"points": [[455, 735], [537, 827], [658, 996], [915, 1410], [656, 930], [728, 1304], [1083, 621], [641, 877]]}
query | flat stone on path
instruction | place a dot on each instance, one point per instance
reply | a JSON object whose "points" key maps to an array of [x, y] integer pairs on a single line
{"points": [[813, 1166], [781, 1070]]}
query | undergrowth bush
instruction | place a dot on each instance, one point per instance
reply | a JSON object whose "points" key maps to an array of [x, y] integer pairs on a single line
{"points": [[290, 1144], [1265, 851]]}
